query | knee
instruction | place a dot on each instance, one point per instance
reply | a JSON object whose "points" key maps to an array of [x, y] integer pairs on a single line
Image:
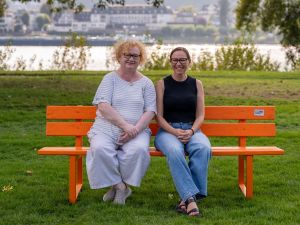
{"points": [[203, 150], [206, 149], [174, 152], [100, 150], [139, 149], [170, 148]]}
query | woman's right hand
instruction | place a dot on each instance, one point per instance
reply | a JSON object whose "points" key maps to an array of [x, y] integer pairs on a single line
{"points": [[179, 133], [130, 130]]}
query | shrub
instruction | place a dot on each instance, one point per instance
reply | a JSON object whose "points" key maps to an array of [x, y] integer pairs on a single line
{"points": [[74, 55], [243, 56], [205, 61], [157, 61], [5, 56]]}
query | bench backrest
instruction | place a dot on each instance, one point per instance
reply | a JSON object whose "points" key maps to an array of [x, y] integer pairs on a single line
{"points": [[233, 121]]}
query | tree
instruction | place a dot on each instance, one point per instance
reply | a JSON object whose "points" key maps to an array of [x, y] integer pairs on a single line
{"points": [[3, 7], [279, 15], [224, 7], [59, 5], [42, 20], [25, 19]]}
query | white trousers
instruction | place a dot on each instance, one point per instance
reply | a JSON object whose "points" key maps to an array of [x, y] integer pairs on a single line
{"points": [[106, 165]]}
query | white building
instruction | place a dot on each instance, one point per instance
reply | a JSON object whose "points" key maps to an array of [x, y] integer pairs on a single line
{"points": [[82, 22], [62, 22], [7, 22], [210, 13], [142, 16], [15, 6], [185, 18]]}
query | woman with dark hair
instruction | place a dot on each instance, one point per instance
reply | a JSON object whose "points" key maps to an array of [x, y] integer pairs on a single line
{"points": [[180, 113]]}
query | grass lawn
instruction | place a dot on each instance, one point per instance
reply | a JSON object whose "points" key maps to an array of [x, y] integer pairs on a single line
{"points": [[34, 189]]}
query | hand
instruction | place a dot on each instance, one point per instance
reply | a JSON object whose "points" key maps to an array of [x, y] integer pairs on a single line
{"points": [[124, 138], [130, 130], [184, 135]]}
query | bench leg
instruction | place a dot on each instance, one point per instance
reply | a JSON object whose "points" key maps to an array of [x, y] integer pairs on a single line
{"points": [[75, 179], [246, 187]]}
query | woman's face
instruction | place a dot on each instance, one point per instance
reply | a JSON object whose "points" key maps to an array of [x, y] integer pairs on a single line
{"points": [[131, 58], [179, 62]]}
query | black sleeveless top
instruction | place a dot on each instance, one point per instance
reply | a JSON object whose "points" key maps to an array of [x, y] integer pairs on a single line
{"points": [[180, 100]]}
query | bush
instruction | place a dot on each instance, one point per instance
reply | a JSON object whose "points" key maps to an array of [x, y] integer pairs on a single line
{"points": [[5, 56], [205, 61], [243, 56], [238, 56], [74, 55], [157, 61]]}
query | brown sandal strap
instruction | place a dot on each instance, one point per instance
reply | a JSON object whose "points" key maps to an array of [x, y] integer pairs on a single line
{"points": [[180, 207], [194, 210], [189, 200]]}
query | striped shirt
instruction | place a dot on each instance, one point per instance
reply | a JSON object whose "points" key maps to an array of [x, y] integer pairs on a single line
{"points": [[129, 99]]}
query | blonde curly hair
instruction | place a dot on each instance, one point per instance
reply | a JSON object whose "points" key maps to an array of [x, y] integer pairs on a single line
{"points": [[122, 47]]}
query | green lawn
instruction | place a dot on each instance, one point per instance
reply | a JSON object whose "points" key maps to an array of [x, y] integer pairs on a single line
{"points": [[34, 188]]}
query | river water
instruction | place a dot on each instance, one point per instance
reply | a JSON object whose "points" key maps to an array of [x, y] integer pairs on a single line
{"points": [[100, 54]]}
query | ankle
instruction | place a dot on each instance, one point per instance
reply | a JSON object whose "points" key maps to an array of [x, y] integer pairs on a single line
{"points": [[120, 186], [191, 203]]}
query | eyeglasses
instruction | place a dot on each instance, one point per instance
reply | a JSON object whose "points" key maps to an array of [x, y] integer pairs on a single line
{"points": [[181, 60], [134, 56]]}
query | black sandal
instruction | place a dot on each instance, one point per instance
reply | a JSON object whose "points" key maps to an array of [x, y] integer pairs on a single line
{"points": [[194, 210], [180, 207]]}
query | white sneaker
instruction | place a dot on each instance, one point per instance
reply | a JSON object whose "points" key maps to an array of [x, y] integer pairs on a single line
{"points": [[109, 195], [122, 195]]}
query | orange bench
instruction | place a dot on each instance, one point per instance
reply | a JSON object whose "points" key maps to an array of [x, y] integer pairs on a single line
{"points": [[76, 121]]}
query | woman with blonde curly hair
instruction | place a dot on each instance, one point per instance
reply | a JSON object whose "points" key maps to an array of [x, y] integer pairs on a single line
{"points": [[119, 138]]}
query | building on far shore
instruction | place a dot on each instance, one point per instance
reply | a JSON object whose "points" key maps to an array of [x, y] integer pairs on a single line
{"points": [[7, 22], [133, 18], [139, 17]]}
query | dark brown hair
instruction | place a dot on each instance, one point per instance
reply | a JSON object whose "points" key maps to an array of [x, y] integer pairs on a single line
{"points": [[181, 49]]}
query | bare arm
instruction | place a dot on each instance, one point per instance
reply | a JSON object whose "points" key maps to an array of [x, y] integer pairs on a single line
{"points": [[144, 121]]}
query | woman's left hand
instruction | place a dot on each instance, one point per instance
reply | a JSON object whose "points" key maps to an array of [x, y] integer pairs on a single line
{"points": [[124, 138]]}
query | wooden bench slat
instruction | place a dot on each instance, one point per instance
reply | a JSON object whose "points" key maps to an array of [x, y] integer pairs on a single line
{"points": [[239, 113], [210, 129], [216, 151], [71, 112], [68, 128], [239, 129], [211, 112]]}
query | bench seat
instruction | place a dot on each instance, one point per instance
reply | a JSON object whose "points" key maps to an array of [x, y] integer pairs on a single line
{"points": [[216, 151]]}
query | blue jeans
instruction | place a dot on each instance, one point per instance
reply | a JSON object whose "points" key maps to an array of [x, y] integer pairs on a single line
{"points": [[190, 178]]}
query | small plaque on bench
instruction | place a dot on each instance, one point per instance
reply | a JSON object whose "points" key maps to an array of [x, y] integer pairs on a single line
{"points": [[259, 112]]}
